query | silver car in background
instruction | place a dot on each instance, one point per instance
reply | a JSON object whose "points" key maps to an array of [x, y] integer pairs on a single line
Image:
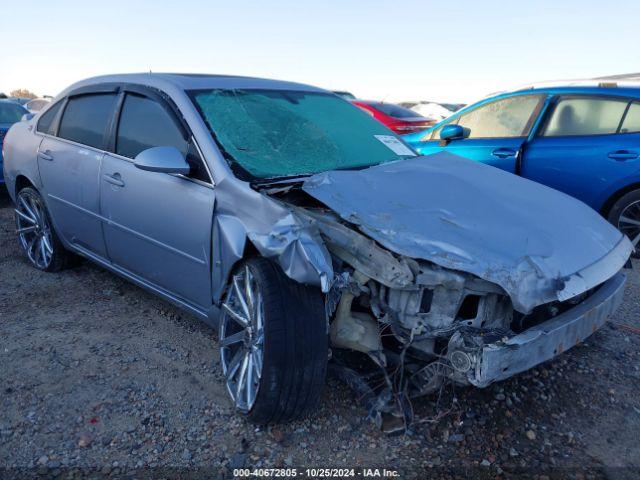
{"points": [[305, 231]]}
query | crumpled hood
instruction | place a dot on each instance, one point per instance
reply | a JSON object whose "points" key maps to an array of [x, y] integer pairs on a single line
{"points": [[538, 244]]}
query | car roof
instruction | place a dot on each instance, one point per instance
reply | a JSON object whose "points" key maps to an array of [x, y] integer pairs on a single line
{"points": [[596, 86], [193, 81]]}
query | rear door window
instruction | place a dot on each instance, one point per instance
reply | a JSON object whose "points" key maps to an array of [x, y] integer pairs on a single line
{"points": [[631, 123], [585, 116], [86, 119], [506, 118], [46, 122], [144, 123]]}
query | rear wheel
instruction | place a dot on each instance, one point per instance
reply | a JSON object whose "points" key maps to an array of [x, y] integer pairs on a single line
{"points": [[625, 215], [273, 343], [36, 235]]}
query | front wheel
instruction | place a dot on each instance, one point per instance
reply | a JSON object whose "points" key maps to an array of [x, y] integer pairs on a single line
{"points": [[625, 215], [273, 343]]}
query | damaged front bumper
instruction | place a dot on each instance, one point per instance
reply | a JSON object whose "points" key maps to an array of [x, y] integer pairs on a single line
{"points": [[503, 359]]}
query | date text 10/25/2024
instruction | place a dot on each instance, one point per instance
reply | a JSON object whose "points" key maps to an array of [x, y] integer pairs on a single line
{"points": [[316, 473]]}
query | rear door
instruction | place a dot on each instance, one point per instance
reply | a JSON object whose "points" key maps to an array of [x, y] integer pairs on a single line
{"points": [[158, 226], [588, 147], [498, 130], [69, 160]]}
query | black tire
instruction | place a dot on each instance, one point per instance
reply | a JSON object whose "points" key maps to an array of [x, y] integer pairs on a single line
{"points": [[61, 258], [295, 346], [629, 204]]}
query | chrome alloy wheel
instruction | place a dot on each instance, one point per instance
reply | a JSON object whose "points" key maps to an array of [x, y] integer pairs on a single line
{"points": [[242, 339], [34, 231], [629, 222]]}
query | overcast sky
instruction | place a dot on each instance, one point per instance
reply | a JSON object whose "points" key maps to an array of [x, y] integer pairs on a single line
{"points": [[422, 50]]}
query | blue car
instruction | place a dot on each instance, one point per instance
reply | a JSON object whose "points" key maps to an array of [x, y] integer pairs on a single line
{"points": [[10, 113], [583, 140]]}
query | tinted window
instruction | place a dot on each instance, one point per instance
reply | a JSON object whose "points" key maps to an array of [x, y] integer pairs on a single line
{"points": [[632, 120], [510, 117], [585, 116], [11, 112], [395, 111], [144, 123], [45, 124], [86, 118]]}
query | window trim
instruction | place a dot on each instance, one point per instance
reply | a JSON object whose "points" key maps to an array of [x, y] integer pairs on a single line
{"points": [[146, 92], [559, 98], [120, 90]]}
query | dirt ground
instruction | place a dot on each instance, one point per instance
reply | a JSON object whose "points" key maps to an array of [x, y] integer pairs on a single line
{"points": [[98, 377]]}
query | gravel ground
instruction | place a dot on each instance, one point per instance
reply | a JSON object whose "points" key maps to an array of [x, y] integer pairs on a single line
{"points": [[99, 377]]}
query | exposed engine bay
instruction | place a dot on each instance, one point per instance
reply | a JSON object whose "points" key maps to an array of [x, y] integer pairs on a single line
{"points": [[417, 323], [421, 296]]}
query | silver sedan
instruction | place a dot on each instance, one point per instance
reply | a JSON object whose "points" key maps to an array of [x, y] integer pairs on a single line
{"points": [[308, 234]]}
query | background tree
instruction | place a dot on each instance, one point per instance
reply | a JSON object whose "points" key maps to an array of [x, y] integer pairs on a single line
{"points": [[23, 93]]}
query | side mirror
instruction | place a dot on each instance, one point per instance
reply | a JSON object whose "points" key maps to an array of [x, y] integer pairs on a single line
{"points": [[162, 160], [453, 132], [27, 116]]}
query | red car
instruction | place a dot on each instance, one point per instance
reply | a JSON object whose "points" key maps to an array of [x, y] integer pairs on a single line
{"points": [[399, 119]]}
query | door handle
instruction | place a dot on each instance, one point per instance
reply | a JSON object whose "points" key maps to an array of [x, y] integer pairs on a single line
{"points": [[46, 155], [504, 152], [622, 155], [114, 179]]}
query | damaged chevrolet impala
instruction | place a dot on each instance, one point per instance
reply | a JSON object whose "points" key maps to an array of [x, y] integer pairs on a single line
{"points": [[311, 237]]}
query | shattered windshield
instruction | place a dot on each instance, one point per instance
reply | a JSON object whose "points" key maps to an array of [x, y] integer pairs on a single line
{"points": [[281, 133]]}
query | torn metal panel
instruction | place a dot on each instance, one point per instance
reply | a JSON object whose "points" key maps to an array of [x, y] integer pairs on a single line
{"points": [[538, 244], [361, 252], [276, 232]]}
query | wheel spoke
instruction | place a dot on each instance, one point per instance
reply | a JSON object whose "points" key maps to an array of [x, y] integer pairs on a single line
{"points": [[259, 312], [257, 363], [47, 244], [241, 377], [28, 208], [636, 239], [249, 380], [236, 316], [628, 220], [24, 230], [235, 363], [32, 221], [43, 252], [231, 339], [248, 291], [241, 299]]}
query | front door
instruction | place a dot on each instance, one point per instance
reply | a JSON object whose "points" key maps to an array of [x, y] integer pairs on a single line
{"points": [[497, 131], [70, 170], [157, 226]]}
